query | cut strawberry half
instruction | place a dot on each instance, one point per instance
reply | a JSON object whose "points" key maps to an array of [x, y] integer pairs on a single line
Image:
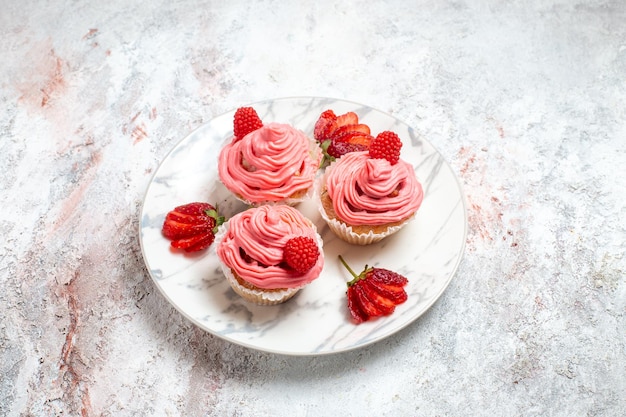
{"points": [[192, 227], [337, 149], [324, 124], [349, 118], [374, 292], [353, 129]]}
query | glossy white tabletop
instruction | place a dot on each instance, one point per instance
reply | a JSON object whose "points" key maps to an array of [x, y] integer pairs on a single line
{"points": [[522, 101]]}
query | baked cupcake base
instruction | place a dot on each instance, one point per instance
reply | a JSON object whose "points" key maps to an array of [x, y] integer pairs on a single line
{"points": [[355, 234], [292, 200], [254, 294]]}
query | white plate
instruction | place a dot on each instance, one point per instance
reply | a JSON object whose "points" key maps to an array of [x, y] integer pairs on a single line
{"points": [[315, 322]]}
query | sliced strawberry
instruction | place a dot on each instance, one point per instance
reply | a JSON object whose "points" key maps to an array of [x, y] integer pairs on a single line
{"points": [[185, 218], [354, 307], [394, 293], [324, 124], [349, 118], [330, 130], [383, 303], [192, 208], [205, 242], [374, 292], [192, 226], [367, 306], [177, 230], [358, 128], [189, 242], [359, 139], [337, 149], [386, 276], [331, 126]]}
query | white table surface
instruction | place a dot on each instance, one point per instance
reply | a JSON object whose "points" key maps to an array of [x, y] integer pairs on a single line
{"points": [[525, 100]]}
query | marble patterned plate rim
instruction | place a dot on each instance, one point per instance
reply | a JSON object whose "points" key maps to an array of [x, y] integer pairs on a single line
{"points": [[156, 258]]}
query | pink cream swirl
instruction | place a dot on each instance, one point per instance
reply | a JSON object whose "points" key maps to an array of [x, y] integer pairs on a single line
{"points": [[368, 191], [269, 164], [261, 233]]}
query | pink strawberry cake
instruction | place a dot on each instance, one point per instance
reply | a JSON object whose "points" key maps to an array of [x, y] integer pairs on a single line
{"points": [[254, 247], [273, 163], [366, 196]]}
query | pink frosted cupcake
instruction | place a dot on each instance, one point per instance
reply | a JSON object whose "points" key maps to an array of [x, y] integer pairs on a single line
{"points": [[268, 253], [268, 163], [366, 196]]}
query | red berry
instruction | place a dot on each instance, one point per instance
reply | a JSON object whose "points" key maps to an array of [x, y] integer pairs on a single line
{"points": [[387, 146], [300, 253], [367, 305], [352, 129], [338, 135], [192, 226], [374, 292], [349, 118], [323, 125], [246, 120], [336, 149], [354, 307]]}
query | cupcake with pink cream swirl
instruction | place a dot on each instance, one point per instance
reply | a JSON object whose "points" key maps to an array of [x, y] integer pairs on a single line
{"points": [[365, 199], [251, 247], [274, 163]]}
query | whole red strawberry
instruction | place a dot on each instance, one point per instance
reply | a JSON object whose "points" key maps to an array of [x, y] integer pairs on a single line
{"points": [[300, 253], [192, 226], [374, 292], [387, 146], [246, 120]]}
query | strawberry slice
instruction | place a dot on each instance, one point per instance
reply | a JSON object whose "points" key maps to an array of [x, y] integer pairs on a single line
{"points": [[349, 118], [374, 292], [324, 124], [356, 138], [384, 304], [331, 129], [388, 277], [367, 306], [185, 218], [336, 149], [354, 307], [358, 128], [192, 227], [393, 293]]}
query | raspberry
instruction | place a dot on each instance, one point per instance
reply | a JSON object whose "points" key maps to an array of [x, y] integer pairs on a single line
{"points": [[246, 120], [300, 253], [387, 146]]}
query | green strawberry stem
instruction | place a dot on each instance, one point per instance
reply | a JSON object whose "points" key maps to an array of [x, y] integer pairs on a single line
{"points": [[219, 220], [356, 277]]}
